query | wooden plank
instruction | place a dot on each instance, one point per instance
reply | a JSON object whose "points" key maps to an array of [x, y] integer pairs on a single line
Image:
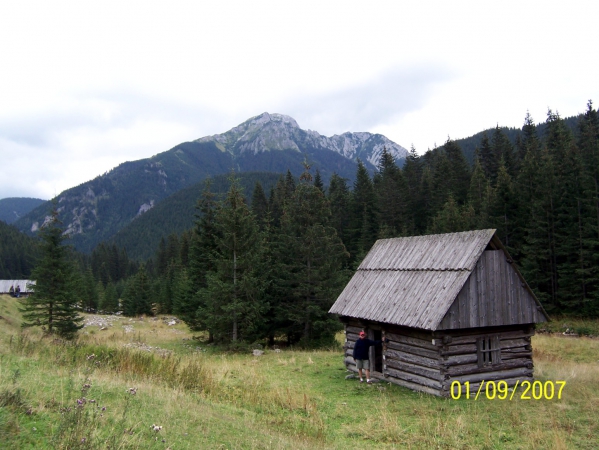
{"points": [[412, 359], [416, 379], [459, 349], [412, 368], [415, 386], [353, 330], [433, 354], [511, 297], [460, 359], [493, 376], [409, 332], [508, 355], [352, 337], [502, 317], [409, 340], [481, 292], [466, 369], [492, 287], [471, 336], [512, 343], [473, 295]]}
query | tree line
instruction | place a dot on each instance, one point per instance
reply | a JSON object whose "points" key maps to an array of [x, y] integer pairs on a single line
{"points": [[270, 266]]}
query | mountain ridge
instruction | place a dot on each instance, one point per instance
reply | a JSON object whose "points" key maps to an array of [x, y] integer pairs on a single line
{"points": [[96, 210]]}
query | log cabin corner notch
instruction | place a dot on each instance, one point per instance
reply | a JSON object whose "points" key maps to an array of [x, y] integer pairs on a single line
{"points": [[453, 307]]}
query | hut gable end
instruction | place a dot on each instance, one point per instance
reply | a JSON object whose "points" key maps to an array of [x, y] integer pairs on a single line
{"points": [[493, 295], [442, 281]]}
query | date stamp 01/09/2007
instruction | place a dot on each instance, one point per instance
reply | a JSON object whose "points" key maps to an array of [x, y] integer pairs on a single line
{"points": [[498, 390]]}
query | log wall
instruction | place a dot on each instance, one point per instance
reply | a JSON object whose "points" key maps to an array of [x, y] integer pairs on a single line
{"points": [[431, 361]]}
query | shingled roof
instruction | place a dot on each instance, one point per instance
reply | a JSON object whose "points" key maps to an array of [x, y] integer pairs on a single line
{"points": [[413, 281]]}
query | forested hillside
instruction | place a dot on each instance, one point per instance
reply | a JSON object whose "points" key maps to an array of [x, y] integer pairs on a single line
{"points": [[271, 267], [176, 213], [12, 209], [470, 144], [18, 253]]}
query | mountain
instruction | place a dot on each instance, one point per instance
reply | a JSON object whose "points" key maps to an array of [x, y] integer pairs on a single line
{"points": [[12, 209], [95, 211], [176, 213], [268, 132]]}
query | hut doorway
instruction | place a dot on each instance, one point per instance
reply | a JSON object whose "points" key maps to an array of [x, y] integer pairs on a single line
{"points": [[378, 352]]}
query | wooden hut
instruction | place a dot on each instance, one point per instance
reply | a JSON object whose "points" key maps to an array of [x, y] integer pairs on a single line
{"points": [[453, 306]]}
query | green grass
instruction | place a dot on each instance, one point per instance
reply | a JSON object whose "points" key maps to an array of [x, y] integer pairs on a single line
{"points": [[204, 398], [571, 325]]}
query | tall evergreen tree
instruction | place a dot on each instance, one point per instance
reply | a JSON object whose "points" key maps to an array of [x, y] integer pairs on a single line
{"points": [[339, 201], [412, 171], [137, 298], [459, 171], [232, 302], [260, 205], [364, 224], [313, 257], [53, 303], [201, 262], [391, 192]]}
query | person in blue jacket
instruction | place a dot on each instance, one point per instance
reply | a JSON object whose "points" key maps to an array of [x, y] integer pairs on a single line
{"points": [[360, 355]]}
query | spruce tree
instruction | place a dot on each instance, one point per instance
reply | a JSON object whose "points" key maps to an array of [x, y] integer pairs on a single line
{"points": [[260, 204], [232, 303], [391, 192], [53, 304], [137, 298], [312, 256], [364, 225], [339, 200], [459, 172], [412, 171]]}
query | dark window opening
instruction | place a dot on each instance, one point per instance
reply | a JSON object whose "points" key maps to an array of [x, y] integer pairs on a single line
{"points": [[488, 350]]}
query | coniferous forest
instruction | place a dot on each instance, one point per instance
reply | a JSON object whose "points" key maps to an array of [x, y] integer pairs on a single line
{"points": [[267, 265]]}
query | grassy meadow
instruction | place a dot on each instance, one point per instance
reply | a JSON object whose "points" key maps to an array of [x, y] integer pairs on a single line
{"points": [[125, 378]]}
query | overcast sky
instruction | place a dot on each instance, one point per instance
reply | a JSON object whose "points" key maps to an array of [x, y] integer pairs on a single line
{"points": [[87, 85]]}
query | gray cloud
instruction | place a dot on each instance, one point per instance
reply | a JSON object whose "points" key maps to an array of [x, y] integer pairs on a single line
{"points": [[379, 101]]}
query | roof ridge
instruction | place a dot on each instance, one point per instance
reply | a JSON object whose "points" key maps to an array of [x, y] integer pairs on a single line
{"points": [[425, 269]]}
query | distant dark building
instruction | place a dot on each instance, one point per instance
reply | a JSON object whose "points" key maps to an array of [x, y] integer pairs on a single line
{"points": [[453, 306]]}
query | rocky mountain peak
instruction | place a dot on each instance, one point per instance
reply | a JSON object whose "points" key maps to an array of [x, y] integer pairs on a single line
{"points": [[267, 132]]}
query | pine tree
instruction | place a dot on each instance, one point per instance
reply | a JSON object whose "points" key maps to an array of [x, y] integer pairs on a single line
{"points": [[313, 257], [459, 172], [504, 209], [502, 149], [488, 159], [478, 187], [412, 171], [137, 298], [232, 303], [363, 219], [391, 193], [339, 199], [260, 205], [53, 303], [110, 300], [318, 181]]}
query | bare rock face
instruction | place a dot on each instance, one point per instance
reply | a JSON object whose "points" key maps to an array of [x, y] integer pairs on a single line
{"points": [[268, 132]]}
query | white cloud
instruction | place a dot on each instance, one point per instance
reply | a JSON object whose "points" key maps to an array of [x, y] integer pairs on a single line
{"points": [[87, 85]]}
